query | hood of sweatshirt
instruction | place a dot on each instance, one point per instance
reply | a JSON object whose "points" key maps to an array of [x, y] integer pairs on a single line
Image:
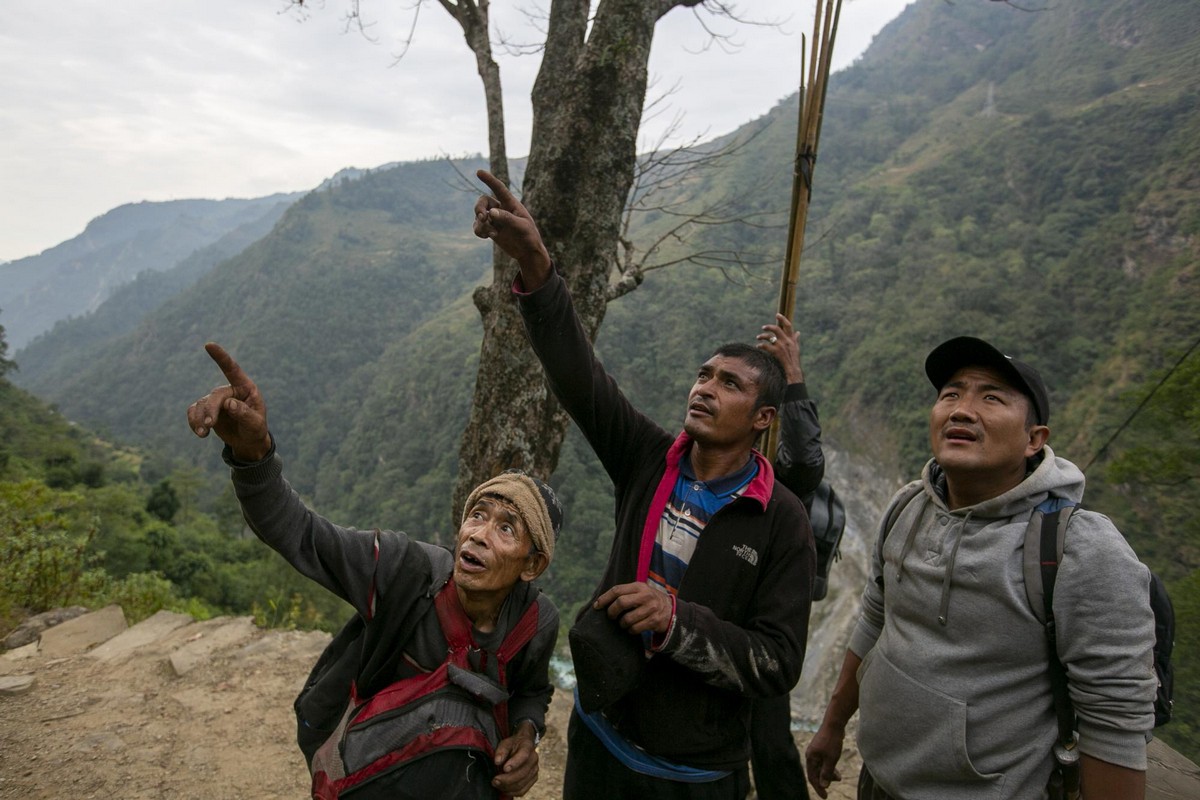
{"points": [[1052, 476]]}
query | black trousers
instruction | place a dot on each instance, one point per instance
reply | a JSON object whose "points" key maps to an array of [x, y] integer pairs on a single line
{"points": [[778, 774], [867, 788], [593, 774]]}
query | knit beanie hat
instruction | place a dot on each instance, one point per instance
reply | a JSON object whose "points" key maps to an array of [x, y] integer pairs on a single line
{"points": [[535, 502]]}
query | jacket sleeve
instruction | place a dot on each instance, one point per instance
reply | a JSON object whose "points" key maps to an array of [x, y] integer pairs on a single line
{"points": [[530, 684], [799, 461], [615, 429], [343, 560], [1106, 640], [761, 656]]}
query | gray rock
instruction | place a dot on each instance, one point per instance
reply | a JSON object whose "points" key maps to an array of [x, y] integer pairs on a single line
{"points": [[146, 632], [1169, 774], [18, 660], [29, 630], [13, 685], [79, 634], [215, 635]]}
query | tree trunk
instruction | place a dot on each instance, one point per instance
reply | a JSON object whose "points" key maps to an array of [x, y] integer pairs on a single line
{"points": [[587, 106]]}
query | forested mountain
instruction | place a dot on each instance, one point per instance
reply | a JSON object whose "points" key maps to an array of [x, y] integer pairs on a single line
{"points": [[75, 277], [1031, 177], [73, 342]]}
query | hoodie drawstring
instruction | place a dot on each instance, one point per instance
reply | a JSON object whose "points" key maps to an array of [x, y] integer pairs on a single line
{"points": [[908, 543], [944, 607]]}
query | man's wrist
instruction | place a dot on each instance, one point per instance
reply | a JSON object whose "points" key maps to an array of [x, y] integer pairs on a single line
{"points": [[659, 641], [254, 455], [536, 269], [527, 729]]}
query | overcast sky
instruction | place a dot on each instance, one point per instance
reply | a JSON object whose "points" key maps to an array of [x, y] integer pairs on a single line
{"points": [[109, 103]]}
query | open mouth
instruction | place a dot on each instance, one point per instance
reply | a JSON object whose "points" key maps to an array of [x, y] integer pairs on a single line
{"points": [[960, 435], [471, 562]]}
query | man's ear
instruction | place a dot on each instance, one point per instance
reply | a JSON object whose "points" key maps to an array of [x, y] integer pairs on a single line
{"points": [[535, 565], [763, 417], [1038, 436]]}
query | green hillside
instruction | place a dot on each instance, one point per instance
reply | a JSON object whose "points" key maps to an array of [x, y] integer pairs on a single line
{"points": [[72, 343], [85, 522], [1029, 177]]}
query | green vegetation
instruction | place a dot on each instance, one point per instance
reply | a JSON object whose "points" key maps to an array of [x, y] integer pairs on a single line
{"points": [[1032, 178], [80, 525], [1150, 481]]}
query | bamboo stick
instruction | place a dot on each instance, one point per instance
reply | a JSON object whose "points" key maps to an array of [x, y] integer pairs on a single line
{"points": [[811, 110]]}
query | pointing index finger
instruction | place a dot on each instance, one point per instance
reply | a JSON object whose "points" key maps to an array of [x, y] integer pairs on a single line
{"points": [[233, 372], [506, 198]]}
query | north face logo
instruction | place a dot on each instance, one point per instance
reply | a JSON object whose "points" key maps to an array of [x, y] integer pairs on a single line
{"points": [[746, 553]]}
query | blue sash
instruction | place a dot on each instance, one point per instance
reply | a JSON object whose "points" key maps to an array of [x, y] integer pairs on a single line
{"points": [[637, 759]]}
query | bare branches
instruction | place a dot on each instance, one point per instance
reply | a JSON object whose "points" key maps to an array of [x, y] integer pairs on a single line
{"points": [[663, 207], [538, 20], [708, 12]]}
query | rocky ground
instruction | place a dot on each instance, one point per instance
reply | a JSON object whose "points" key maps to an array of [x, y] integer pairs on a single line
{"points": [[176, 708], [203, 711]]}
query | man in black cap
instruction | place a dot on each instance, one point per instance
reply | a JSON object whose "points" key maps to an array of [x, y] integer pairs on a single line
{"points": [[449, 654], [948, 663]]}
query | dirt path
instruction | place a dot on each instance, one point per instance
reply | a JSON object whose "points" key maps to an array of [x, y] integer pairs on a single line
{"points": [[122, 722]]}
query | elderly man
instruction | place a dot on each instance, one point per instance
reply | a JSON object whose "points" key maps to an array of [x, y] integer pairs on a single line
{"points": [[711, 564], [948, 665], [439, 687]]}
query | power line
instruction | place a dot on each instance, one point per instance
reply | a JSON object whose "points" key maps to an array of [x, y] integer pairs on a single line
{"points": [[1141, 405]]}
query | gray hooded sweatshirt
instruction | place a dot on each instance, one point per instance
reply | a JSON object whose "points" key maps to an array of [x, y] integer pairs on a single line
{"points": [[955, 698]]}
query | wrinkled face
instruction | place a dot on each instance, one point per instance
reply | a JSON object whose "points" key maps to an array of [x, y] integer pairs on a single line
{"points": [[721, 405], [977, 429], [494, 548]]}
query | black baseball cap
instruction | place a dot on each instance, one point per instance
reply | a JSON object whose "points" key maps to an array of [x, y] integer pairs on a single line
{"points": [[967, 351]]}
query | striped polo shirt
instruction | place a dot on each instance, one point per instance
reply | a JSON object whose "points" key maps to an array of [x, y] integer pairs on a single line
{"points": [[692, 504]]}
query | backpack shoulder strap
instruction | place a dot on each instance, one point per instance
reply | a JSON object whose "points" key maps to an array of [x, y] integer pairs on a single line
{"points": [[456, 626], [1049, 519], [521, 633], [1045, 536], [903, 498], [900, 502]]}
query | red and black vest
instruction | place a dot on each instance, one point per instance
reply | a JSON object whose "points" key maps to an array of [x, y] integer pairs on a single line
{"points": [[463, 705]]}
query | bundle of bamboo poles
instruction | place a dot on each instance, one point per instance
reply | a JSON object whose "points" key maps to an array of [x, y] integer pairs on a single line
{"points": [[808, 135]]}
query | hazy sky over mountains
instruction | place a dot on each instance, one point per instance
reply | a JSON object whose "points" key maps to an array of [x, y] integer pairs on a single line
{"points": [[110, 103]]}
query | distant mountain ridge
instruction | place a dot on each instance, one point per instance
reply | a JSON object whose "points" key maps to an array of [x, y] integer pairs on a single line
{"points": [[75, 277], [73, 342]]}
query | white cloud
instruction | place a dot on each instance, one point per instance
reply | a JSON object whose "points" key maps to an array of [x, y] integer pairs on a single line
{"points": [[104, 104]]}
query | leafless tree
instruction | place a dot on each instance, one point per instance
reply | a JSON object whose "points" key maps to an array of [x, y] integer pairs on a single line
{"points": [[587, 105]]}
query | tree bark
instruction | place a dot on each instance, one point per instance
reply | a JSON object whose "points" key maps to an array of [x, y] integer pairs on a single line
{"points": [[587, 107]]}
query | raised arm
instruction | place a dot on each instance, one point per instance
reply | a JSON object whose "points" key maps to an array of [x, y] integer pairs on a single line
{"points": [[799, 461], [236, 412], [344, 560]]}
